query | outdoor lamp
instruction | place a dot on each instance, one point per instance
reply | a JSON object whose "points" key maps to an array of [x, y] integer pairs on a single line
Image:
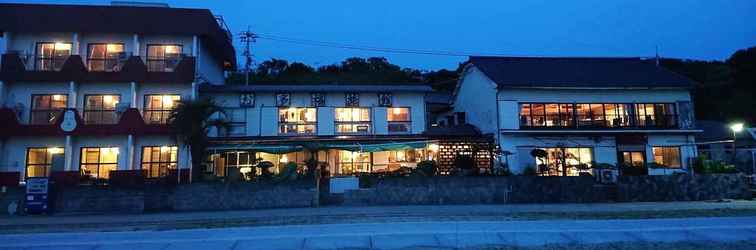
{"points": [[737, 127]]}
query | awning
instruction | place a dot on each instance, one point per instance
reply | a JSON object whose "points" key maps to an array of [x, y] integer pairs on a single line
{"points": [[352, 146], [272, 149]]}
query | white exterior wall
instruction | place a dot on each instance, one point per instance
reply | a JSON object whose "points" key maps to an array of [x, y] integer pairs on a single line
{"points": [[14, 151], [476, 96], [485, 106], [209, 67], [20, 94], [262, 119]]}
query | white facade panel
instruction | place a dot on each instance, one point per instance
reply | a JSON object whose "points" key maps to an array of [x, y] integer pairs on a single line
{"points": [[269, 121], [380, 123], [326, 119], [476, 96]]}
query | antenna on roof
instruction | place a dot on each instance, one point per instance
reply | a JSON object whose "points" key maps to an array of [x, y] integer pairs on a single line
{"points": [[247, 37], [657, 55]]}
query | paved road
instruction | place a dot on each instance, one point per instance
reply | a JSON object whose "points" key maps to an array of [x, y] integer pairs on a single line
{"points": [[402, 235], [382, 214]]}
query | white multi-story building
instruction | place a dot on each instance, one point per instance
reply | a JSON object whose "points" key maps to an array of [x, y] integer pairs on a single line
{"points": [[351, 128], [580, 111], [88, 89]]}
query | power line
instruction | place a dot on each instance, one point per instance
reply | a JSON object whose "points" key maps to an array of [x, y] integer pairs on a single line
{"points": [[369, 48]]}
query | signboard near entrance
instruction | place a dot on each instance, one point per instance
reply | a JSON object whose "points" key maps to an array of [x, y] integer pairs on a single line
{"points": [[37, 190]]}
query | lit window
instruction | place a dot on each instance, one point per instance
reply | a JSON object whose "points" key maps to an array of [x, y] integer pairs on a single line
{"points": [[101, 109], [157, 108], [51, 56], [158, 160], [399, 120], [667, 157], [353, 120], [163, 58], [297, 121], [565, 161], [353, 162], [46, 109], [39, 161], [105, 57], [96, 163]]}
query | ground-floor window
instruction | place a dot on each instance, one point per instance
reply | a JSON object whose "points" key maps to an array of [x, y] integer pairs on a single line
{"points": [[565, 161], [96, 163], [39, 161], [349, 162], [158, 160], [667, 156], [246, 161]]}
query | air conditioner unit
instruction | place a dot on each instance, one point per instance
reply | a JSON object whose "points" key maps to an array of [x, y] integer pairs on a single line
{"points": [[607, 176]]}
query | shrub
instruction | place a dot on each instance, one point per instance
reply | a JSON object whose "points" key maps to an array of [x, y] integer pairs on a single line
{"points": [[702, 165], [426, 168], [264, 167], [366, 181], [529, 171], [310, 166], [464, 162]]}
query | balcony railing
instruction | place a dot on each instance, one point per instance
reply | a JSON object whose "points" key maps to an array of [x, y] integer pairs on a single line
{"points": [[163, 64], [667, 121]]}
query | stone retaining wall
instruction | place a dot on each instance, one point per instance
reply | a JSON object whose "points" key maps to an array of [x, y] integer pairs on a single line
{"points": [[194, 197], [532, 189], [681, 187]]}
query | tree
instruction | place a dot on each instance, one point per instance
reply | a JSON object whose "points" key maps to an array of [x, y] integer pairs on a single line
{"points": [[190, 122]]}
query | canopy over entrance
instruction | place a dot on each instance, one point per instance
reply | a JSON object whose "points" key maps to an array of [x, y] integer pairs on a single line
{"points": [[314, 146]]}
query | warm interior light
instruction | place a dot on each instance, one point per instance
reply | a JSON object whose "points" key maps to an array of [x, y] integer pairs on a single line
{"points": [[396, 111], [114, 47], [55, 150], [171, 49], [284, 159], [62, 46], [433, 147], [167, 101], [57, 97], [737, 127], [164, 149], [114, 150], [107, 99]]}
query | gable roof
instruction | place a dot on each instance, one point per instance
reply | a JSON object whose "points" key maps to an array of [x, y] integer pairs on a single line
{"points": [[581, 72], [120, 19]]}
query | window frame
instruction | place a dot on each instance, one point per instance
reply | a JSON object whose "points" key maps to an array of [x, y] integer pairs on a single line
{"points": [[104, 60], [161, 172], [52, 60], [49, 110], [99, 165], [47, 164], [86, 111], [150, 58], [163, 113], [560, 170], [296, 124], [582, 115], [354, 123], [408, 122], [664, 154]]}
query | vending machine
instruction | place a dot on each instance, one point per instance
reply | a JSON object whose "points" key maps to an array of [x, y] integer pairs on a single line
{"points": [[37, 191]]}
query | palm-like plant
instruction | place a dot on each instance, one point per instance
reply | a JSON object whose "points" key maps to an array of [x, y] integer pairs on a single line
{"points": [[191, 122]]}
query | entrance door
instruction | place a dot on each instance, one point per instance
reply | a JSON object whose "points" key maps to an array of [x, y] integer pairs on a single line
{"points": [[633, 162]]}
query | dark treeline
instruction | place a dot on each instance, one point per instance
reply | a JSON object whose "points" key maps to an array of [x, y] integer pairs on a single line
{"points": [[351, 70], [724, 91]]}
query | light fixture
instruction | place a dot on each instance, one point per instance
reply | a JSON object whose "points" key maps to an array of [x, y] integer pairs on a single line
{"points": [[396, 111], [54, 150], [737, 127], [284, 159], [57, 97], [107, 99], [433, 147], [164, 149]]}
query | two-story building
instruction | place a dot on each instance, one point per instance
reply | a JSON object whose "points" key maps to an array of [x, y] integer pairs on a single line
{"points": [[88, 89], [353, 128], [580, 111]]}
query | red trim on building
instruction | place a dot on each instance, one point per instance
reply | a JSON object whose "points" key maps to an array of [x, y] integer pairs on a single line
{"points": [[131, 122]]}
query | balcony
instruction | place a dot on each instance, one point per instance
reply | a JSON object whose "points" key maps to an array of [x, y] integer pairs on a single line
{"points": [[17, 67]]}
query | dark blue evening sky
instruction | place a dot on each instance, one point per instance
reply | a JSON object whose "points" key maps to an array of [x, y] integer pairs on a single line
{"points": [[697, 29]]}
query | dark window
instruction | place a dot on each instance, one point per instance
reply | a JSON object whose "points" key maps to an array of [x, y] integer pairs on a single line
{"points": [[157, 160], [163, 58], [101, 109], [47, 109], [105, 57], [51, 56]]}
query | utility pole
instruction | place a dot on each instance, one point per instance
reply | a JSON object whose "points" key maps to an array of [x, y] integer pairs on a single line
{"points": [[247, 37]]}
